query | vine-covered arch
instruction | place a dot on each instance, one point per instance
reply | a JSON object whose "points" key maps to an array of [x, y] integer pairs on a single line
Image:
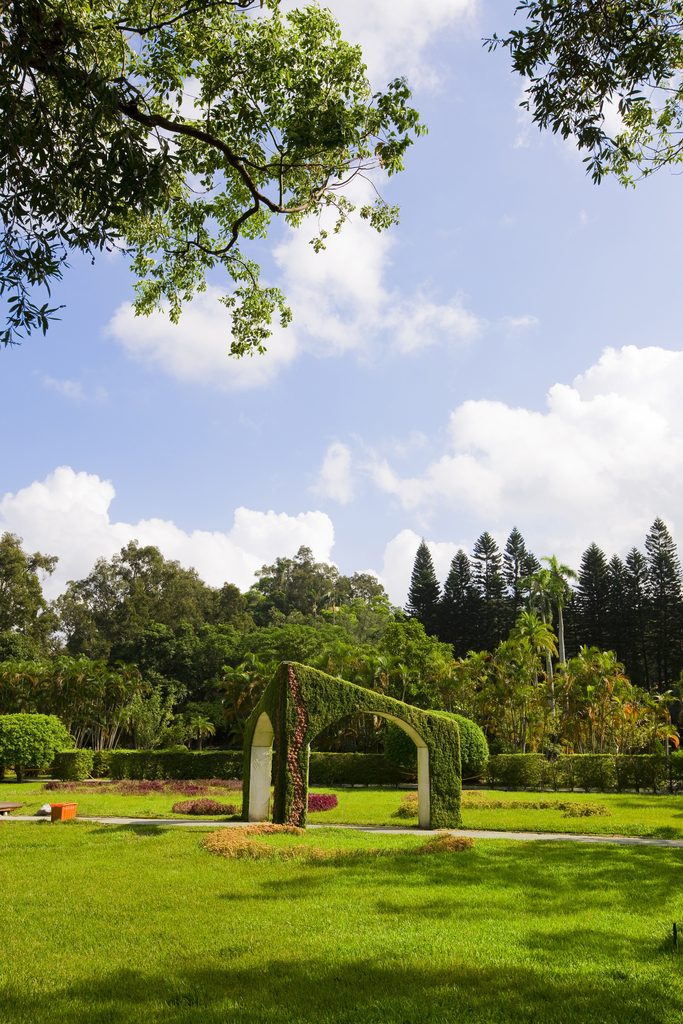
{"points": [[298, 704]]}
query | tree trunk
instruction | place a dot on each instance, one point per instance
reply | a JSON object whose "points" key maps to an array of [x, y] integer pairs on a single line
{"points": [[560, 634]]}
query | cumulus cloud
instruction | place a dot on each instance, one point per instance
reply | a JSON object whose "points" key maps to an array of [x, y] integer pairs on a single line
{"points": [[340, 299], [602, 461], [399, 557], [197, 348], [67, 515], [395, 37], [335, 479]]}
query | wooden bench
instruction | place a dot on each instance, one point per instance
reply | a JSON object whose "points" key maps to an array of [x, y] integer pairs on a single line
{"points": [[6, 808]]}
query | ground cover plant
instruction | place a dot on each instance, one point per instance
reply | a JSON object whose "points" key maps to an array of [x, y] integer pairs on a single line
{"points": [[507, 932], [203, 805]]}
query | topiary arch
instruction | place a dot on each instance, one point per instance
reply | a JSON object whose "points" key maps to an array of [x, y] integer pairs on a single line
{"points": [[298, 704]]}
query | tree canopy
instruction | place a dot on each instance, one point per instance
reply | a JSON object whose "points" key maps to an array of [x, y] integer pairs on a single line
{"points": [[584, 59], [175, 130]]}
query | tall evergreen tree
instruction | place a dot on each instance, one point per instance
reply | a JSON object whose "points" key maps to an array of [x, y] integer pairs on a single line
{"points": [[488, 576], [592, 597], [458, 616], [619, 638], [664, 587], [638, 613], [423, 594], [516, 560]]}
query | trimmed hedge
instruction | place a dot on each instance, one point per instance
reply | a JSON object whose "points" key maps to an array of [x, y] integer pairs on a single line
{"points": [[653, 772], [72, 765], [100, 764], [325, 769], [175, 764]]}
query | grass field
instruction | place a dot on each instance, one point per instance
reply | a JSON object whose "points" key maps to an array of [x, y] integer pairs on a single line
{"points": [[630, 814], [104, 924]]}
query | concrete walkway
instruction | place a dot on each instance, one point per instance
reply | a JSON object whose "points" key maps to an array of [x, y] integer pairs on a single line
{"points": [[676, 844]]}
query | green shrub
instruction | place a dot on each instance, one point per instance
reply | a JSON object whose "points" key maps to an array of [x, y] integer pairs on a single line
{"points": [[100, 764], [175, 764], [516, 771], [400, 750], [329, 769], [594, 771], [559, 773], [31, 741], [72, 765]]}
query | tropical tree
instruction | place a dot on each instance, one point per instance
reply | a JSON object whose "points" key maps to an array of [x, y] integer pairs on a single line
{"points": [[537, 634], [583, 59], [199, 726], [559, 576], [102, 146]]}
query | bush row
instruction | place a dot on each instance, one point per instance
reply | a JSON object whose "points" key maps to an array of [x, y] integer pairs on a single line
{"points": [[324, 769], [175, 764], [587, 771], [653, 772]]}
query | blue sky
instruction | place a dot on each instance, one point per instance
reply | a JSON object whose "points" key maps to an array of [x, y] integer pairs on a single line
{"points": [[509, 355]]}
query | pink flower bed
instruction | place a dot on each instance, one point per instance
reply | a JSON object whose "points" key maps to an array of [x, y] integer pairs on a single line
{"points": [[321, 801], [203, 807]]}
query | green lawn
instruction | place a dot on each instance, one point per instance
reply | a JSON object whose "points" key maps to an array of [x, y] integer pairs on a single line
{"points": [[631, 814], [121, 925]]}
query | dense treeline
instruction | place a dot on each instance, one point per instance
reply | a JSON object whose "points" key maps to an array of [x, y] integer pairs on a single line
{"points": [[633, 606], [143, 653]]}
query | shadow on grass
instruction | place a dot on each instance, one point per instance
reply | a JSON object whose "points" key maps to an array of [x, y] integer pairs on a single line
{"points": [[351, 991]]}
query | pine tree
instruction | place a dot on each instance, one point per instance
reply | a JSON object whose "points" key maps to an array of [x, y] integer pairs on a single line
{"points": [[516, 558], [616, 617], [459, 606], [592, 597], [423, 595], [638, 615], [491, 585], [664, 590]]}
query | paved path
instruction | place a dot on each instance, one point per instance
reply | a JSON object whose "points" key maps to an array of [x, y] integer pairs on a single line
{"points": [[676, 844]]}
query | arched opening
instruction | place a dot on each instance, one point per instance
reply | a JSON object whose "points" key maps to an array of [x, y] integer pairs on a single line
{"points": [[423, 790], [423, 808], [260, 769]]}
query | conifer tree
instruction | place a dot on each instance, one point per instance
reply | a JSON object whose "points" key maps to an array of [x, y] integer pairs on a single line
{"points": [[459, 604], [423, 595], [515, 559], [592, 597], [638, 612], [488, 576], [617, 625], [664, 587]]}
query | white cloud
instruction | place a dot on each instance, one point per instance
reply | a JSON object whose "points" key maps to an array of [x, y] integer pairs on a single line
{"points": [[334, 479], [394, 36], [520, 323], [198, 347], [340, 301], [67, 515], [73, 389], [399, 557], [600, 464]]}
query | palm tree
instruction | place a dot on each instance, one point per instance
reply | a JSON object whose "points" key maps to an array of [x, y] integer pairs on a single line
{"points": [[539, 635], [561, 592], [199, 725], [540, 588]]}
